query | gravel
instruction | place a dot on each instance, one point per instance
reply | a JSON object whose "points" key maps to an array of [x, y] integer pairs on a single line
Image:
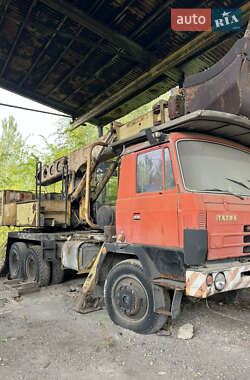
{"points": [[41, 337]]}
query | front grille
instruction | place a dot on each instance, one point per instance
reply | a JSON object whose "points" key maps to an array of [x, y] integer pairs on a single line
{"points": [[247, 228], [246, 239]]}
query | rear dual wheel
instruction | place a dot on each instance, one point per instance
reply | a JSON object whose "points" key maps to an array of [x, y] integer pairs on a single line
{"points": [[28, 263], [129, 298], [36, 268], [17, 255], [57, 272]]}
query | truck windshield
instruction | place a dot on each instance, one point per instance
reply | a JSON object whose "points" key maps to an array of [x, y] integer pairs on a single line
{"points": [[208, 166]]}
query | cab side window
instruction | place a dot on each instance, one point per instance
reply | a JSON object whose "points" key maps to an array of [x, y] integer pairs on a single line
{"points": [[169, 175], [149, 171]]}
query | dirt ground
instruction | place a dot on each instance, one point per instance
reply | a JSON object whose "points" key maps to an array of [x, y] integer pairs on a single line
{"points": [[41, 337]]}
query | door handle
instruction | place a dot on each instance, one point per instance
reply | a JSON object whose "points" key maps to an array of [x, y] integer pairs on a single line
{"points": [[136, 216]]}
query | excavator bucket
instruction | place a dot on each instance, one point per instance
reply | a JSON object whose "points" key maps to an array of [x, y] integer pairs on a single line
{"points": [[226, 85]]}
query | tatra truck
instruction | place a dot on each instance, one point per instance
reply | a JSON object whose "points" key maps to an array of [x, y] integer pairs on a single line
{"points": [[156, 209]]}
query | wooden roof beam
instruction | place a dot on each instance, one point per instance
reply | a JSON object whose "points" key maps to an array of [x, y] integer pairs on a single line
{"points": [[138, 53]]}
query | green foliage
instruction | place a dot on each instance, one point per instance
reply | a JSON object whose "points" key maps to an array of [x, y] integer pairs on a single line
{"points": [[3, 239], [17, 166], [68, 140], [17, 160]]}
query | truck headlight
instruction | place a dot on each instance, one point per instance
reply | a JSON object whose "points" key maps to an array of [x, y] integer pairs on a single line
{"points": [[220, 281]]}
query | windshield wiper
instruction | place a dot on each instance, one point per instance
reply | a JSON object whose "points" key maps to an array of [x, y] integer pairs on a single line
{"points": [[223, 191], [238, 183]]}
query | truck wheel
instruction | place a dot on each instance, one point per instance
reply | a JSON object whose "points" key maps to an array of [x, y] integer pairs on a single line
{"points": [[36, 268], [17, 255], [129, 298], [57, 275]]}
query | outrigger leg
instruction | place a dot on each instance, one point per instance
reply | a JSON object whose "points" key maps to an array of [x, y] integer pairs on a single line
{"points": [[86, 302]]}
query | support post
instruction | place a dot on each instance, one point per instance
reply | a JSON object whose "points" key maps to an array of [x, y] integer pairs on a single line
{"points": [[100, 131]]}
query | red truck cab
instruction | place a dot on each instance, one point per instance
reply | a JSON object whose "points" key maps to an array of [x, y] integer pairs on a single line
{"points": [[189, 197]]}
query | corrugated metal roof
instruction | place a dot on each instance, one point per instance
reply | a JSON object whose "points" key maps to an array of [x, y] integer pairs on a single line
{"points": [[72, 54]]}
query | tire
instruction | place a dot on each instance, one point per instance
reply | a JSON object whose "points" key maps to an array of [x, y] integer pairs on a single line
{"points": [[17, 255], [57, 273], [36, 268], [129, 298]]}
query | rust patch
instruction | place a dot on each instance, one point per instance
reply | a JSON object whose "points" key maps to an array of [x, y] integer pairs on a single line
{"points": [[172, 277], [117, 3], [20, 64]]}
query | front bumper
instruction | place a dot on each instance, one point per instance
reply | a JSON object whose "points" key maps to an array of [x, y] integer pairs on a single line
{"points": [[237, 277]]}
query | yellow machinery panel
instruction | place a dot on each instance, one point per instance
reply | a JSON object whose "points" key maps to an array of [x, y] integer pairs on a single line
{"points": [[52, 213], [26, 214], [8, 199], [18, 208], [159, 115], [9, 215]]}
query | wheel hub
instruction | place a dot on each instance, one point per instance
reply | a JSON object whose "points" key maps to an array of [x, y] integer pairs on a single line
{"points": [[31, 269], [130, 298]]}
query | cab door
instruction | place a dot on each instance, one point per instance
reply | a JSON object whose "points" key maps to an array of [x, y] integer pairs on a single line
{"points": [[154, 214]]}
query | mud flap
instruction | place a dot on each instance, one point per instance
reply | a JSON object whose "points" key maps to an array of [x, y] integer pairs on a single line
{"points": [[159, 306], [176, 303]]}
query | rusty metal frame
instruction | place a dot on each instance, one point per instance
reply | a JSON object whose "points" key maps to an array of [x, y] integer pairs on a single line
{"points": [[195, 45], [94, 8], [117, 21], [34, 2], [135, 34], [75, 68], [105, 179], [48, 30], [47, 44], [88, 180], [138, 53], [76, 193], [68, 98], [92, 50], [4, 11], [158, 13], [60, 57]]}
